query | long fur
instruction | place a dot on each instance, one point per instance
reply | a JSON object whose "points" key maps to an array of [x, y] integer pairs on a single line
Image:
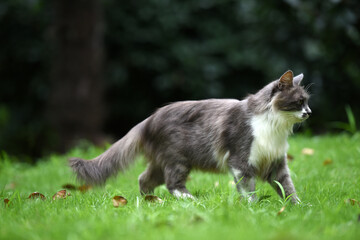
{"points": [[247, 138], [117, 158]]}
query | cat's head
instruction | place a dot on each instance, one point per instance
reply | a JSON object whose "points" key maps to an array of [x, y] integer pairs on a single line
{"points": [[290, 98]]}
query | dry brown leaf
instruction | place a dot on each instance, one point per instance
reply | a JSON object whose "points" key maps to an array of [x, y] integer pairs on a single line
{"points": [[152, 198], [60, 195], [327, 162], [84, 188], [290, 157], [6, 201], [281, 210], [37, 195], [352, 201], [69, 186], [307, 151], [119, 201]]}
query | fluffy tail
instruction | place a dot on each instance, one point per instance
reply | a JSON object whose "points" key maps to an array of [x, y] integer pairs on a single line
{"points": [[117, 158]]}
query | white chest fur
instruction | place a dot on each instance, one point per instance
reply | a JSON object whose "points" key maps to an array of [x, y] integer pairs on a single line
{"points": [[270, 132]]}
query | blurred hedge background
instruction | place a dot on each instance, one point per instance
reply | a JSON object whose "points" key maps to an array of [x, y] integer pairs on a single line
{"points": [[90, 69]]}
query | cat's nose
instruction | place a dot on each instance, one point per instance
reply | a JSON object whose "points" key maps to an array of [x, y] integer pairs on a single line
{"points": [[308, 111]]}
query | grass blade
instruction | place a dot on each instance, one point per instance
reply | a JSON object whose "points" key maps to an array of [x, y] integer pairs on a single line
{"points": [[351, 119], [281, 188]]}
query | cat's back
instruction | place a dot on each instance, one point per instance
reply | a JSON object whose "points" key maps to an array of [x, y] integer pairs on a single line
{"points": [[195, 111], [190, 119]]}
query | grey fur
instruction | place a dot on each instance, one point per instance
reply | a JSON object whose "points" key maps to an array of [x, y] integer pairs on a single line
{"points": [[210, 135], [118, 157]]}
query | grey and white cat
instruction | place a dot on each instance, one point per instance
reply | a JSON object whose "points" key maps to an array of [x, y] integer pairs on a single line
{"points": [[248, 138]]}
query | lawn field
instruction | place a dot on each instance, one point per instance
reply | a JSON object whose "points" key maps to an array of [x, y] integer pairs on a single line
{"points": [[326, 176]]}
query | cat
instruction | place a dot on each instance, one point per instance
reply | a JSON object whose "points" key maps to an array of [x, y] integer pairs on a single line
{"points": [[247, 138]]}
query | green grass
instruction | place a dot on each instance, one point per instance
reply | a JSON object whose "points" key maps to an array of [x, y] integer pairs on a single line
{"points": [[216, 214]]}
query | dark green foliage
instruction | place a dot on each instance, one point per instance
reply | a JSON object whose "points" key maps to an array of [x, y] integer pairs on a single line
{"points": [[160, 51], [173, 50], [24, 65]]}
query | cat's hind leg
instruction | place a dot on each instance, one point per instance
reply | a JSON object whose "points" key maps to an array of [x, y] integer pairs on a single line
{"points": [[152, 177], [175, 179]]}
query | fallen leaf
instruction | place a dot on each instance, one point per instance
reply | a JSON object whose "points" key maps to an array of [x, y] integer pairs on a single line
{"points": [[60, 194], [152, 198], [69, 186], [281, 210], [289, 157], [352, 201], [37, 195], [119, 201], [84, 188], [307, 151], [327, 162], [6, 201]]}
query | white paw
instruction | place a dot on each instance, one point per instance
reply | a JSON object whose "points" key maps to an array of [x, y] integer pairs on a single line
{"points": [[296, 200], [179, 194]]}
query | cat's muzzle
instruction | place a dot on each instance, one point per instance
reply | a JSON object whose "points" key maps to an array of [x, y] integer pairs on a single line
{"points": [[306, 113]]}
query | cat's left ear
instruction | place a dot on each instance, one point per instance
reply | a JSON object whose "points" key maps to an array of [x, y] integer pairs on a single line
{"points": [[286, 80], [297, 79]]}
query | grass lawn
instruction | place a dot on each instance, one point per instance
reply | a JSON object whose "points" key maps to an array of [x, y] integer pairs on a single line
{"points": [[325, 181]]}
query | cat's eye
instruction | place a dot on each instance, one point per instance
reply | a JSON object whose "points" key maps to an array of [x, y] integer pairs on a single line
{"points": [[301, 101]]}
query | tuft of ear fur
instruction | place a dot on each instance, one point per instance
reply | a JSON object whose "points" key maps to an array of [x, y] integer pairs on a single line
{"points": [[297, 79], [286, 80]]}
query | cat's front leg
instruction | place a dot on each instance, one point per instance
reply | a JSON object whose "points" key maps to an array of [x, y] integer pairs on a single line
{"points": [[281, 174], [245, 184]]}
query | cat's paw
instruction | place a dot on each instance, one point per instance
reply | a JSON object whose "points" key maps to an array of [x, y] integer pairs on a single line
{"points": [[296, 200]]}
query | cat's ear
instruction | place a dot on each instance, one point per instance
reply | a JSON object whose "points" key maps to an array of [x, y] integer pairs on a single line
{"points": [[297, 79], [286, 80]]}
